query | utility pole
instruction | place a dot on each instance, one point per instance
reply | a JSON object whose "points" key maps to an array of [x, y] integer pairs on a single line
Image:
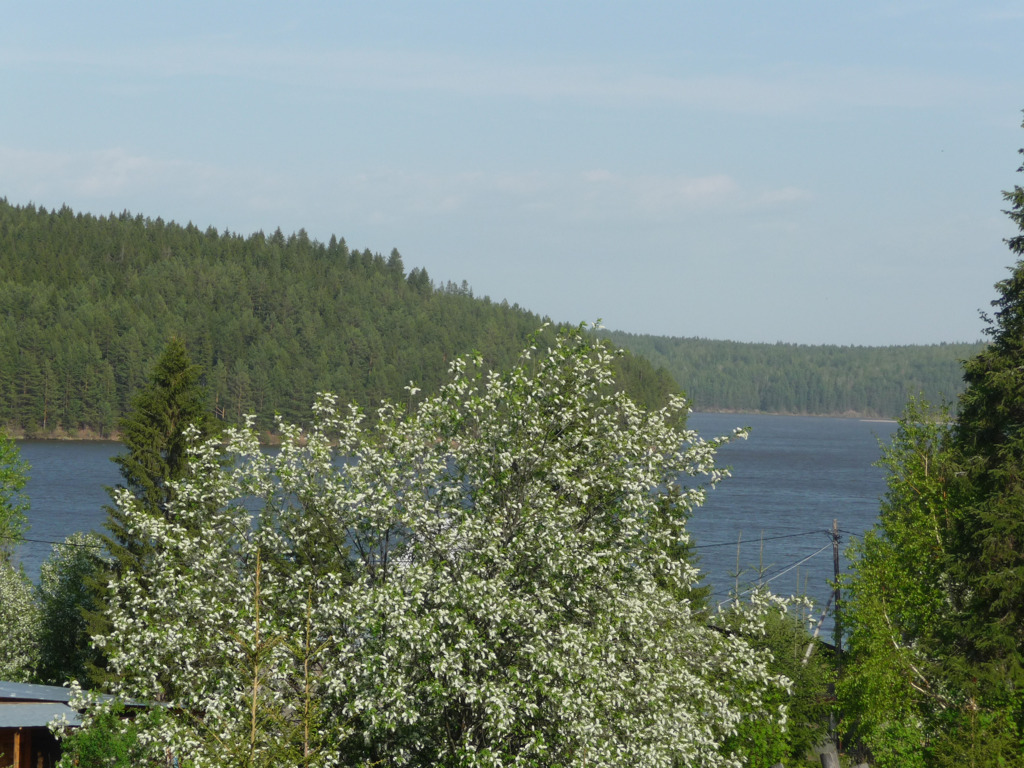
{"points": [[837, 630]]}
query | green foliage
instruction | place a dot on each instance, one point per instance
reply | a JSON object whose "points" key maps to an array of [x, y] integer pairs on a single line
{"points": [[914, 691], [153, 431], [897, 604], [936, 602], [63, 596], [483, 577], [109, 740], [19, 614], [809, 669], [87, 304], [155, 458], [13, 504], [989, 442], [155, 455], [797, 378]]}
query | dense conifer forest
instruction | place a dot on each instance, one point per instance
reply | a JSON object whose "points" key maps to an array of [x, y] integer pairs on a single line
{"points": [[805, 379], [87, 303]]}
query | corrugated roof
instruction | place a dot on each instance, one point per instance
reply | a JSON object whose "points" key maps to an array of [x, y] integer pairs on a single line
{"points": [[35, 715]]}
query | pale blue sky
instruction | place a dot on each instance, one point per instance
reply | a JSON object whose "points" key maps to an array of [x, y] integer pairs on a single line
{"points": [[793, 171]]}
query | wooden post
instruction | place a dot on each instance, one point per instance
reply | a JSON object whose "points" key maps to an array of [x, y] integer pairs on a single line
{"points": [[831, 759], [16, 761]]}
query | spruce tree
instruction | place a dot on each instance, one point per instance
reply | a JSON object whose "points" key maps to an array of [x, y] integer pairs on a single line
{"points": [[989, 441], [934, 675], [13, 504], [155, 455], [155, 446]]}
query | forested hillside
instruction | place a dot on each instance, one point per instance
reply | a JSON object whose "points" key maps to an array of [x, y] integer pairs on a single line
{"points": [[87, 303], [802, 379]]}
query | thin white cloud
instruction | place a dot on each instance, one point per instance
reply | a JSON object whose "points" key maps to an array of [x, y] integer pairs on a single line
{"points": [[771, 90], [115, 178], [783, 195], [103, 173], [595, 195]]}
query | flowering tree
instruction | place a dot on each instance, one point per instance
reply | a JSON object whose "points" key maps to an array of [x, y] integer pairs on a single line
{"points": [[19, 615], [487, 577], [19, 625]]}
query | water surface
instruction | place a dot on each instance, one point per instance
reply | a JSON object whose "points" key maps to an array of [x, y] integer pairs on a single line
{"points": [[791, 478]]}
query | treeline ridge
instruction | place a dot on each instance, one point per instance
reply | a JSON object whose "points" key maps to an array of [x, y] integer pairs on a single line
{"points": [[87, 303]]}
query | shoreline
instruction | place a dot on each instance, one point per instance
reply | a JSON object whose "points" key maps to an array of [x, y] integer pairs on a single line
{"points": [[266, 438]]}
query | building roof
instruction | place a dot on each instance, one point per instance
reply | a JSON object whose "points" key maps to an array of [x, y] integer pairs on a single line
{"points": [[36, 714], [24, 705], [29, 692]]}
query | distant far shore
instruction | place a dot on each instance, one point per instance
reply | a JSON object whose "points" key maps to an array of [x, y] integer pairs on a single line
{"points": [[267, 438], [844, 415], [60, 435]]}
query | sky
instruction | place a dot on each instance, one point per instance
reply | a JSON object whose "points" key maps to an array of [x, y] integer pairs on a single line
{"points": [[803, 172]]}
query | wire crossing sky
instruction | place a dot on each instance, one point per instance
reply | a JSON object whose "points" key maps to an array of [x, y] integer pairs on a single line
{"points": [[802, 172]]}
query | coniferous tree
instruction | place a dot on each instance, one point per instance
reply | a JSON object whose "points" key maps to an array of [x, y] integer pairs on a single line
{"points": [[155, 456], [155, 445], [12, 503], [62, 594], [989, 443], [935, 608]]}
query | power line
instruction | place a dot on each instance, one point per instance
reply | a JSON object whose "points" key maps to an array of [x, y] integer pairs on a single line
{"points": [[762, 582], [51, 541], [769, 538]]}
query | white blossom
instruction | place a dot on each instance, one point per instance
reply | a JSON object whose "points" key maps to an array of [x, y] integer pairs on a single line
{"points": [[19, 625], [478, 582]]}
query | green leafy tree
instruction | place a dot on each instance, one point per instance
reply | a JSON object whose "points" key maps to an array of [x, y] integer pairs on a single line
{"points": [[19, 614], [109, 735], [482, 577], [898, 604], [802, 661], [63, 595]]}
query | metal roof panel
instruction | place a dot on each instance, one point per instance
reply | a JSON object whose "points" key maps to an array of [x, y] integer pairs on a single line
{"points": [[35, 715], [31, 692]]}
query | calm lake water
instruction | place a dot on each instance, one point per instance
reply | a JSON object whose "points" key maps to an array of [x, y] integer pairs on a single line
{"points": [[791, 478]]}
